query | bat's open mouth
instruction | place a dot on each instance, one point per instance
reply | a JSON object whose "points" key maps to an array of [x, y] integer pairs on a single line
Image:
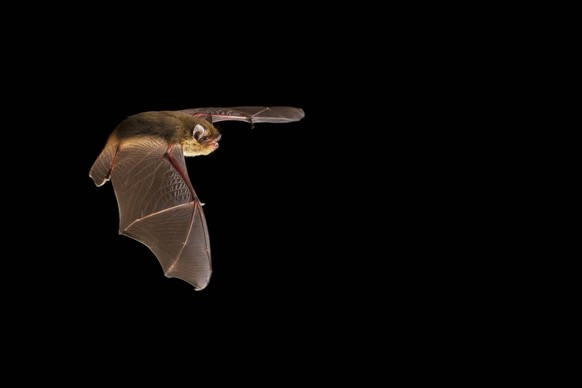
{"points": [[214, 142]]}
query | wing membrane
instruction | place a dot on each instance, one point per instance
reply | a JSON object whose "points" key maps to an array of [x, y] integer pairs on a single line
{"points": [[251, 114], [158, 207]]}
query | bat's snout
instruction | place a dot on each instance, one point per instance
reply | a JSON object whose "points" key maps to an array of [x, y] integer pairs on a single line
{"points": [[214, 142]]}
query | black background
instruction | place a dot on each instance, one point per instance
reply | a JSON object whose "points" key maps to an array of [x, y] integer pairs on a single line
{"points": [[302, 250], [336, 244], [280, 201]]}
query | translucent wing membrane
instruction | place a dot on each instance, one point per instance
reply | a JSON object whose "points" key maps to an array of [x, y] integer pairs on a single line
{"points": [[251, 114]]}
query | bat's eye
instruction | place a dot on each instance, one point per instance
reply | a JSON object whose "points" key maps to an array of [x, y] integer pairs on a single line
{"points": [[198, 131]]}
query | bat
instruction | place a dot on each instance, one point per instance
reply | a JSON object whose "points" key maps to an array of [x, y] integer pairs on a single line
{"points": [[144, 157]]}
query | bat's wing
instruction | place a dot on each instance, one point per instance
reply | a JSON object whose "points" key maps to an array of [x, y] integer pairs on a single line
{"points": [[157, 205], [251, 114]]}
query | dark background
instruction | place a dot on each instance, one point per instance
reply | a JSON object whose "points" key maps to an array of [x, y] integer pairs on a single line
{"points": [[335, 240], [281, 201], [303, 253], [325, 233]]}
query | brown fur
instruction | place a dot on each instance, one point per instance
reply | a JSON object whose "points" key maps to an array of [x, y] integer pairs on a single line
{"points": [[172, 126]]}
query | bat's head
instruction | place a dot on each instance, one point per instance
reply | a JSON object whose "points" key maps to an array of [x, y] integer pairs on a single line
{"points": [[199, 137]]}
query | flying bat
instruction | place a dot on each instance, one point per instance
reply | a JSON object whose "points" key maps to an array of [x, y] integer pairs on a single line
{"points": [[144, 157]]}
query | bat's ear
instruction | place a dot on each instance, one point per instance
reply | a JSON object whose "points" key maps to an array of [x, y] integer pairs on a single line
{"points": [[209, 118]]}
